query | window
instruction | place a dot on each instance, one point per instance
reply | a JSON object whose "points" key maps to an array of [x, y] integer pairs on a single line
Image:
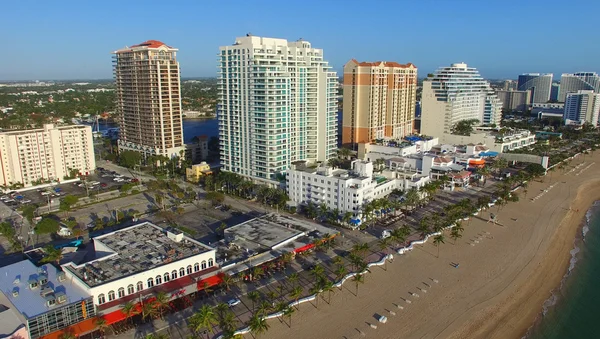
{"points": [[166, 277], [173, 275], [111, 295], [158, 280], [210, 262], [203, 264], [181, 272], [150, 282], [121, 292], [101, 299], [140, 286], [196, 267], [130, 289], [189, 269]]}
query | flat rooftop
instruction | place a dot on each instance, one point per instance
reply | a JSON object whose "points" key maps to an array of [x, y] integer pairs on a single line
{"points": [[133, 250], [15, 282], [266, 238]]}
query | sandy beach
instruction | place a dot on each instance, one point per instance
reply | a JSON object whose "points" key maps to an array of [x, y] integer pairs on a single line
{"points": [[506, 273]]}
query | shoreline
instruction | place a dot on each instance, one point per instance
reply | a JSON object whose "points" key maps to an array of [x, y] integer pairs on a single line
{"points": [[500, 292], [556, 294]]}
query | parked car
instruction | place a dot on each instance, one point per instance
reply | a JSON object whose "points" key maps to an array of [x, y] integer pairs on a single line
{"points": [[103, 185], [45, 193], [25, 201], [233, 302], [135, 180]]}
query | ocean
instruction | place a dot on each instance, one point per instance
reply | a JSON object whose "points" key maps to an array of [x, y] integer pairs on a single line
{"points": [[571, 312]]}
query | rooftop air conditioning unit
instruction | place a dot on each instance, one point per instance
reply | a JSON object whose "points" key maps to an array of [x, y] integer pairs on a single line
{"points": [[15, 292], [61, 276]]}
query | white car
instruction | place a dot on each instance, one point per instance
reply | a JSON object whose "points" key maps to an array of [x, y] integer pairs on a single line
{"points": [[45, 193], [233, 302]]}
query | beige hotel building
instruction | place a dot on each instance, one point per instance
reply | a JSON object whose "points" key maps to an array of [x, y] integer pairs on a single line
{"points": [[48, 153], [148, 96], [379, 101]]}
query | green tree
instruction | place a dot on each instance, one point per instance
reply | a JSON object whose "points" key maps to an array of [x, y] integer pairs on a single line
{"points": [[358, 279], [67, 203], [130, 159], [215, 198], [253, 296], [464, 127], [53, 254], [296, 293], [437, 241], [129, 309], [204, 318], [258, 325], [47, 226], [288, 312], [28, 212]]}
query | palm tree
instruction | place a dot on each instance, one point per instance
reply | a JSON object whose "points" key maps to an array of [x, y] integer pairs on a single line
{"points": [[340, 272], [101, 325], [52, 255], [149, 311], [455, 234], [384, 243], [437, 240], [328, 287], [485, 174], [293, 278], [162, 301], [346, 218], [264, 307], [258, 324], [316, 290], [360, 249], [257, 272], [287, 312], [253, 296], [317, 271], [412, 198], [129, 309], [344, 153], [204, 318], [424, 227], [358, 279], [226, 281], [296, 293], [67, 334]]}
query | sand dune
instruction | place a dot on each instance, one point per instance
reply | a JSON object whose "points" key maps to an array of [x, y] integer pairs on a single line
{"points": [[497, 291]]}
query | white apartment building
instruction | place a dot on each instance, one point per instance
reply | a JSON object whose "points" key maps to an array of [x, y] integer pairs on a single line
{"points": [[341, 189], [454, 94], [53, 152], [540, 86], [148, 99], [277, 105], [581, 81], [582, 107], [134, 260]]}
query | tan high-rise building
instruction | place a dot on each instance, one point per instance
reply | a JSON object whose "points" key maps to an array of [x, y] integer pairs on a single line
{"points": [[379, 101], [149, 99]]}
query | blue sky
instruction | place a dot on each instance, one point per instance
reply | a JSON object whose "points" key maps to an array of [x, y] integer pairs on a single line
{"points": [[66, 39]]}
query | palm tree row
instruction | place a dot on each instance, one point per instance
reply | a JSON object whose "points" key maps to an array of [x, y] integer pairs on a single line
{"points": [[234, 184]]}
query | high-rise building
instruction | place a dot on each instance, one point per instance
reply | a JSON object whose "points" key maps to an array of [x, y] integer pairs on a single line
{"points": [[379, 101], [539, 84], [514, 100], [509, 85], [149, 99], [457, 93], [277, 105], [554, 92], [582, 107], [36, 156], [571, 83]]}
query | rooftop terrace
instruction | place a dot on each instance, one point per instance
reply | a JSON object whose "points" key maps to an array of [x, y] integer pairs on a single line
{"points": [[135, 249], [36, 290]]}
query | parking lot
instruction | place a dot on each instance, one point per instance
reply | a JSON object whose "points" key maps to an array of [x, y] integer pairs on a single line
{"points": [[97, 183]]}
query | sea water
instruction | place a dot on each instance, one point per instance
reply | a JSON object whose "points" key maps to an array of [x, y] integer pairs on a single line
{"points": [[572, 310]]}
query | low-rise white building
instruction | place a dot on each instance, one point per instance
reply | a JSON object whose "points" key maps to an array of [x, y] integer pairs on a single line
{"points": [[387, 149], [138, 258], [49, 153], [498, 140], [342, 189]]}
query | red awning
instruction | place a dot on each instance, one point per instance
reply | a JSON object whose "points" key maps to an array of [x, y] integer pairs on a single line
{"points": [[210, 281], [304, 248]]}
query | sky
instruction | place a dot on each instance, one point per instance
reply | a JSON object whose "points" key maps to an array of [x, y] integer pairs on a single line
{"points": [[65, 39]]}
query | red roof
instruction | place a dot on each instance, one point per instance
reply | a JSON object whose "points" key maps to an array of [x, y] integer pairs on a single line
{"points": [[151, 44]]}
